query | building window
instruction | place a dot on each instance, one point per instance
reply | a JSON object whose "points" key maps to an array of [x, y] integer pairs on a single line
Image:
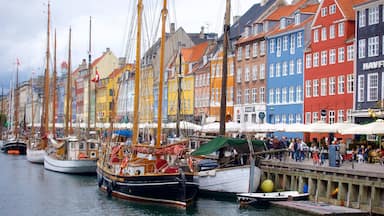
{"points": [[298, 118], [277, 119], [340, 54], [272, 46], [271, 71], [278, 70], [323, 58], [341, 29], [332, 85], [291, 67], [373, 87], [245, 117], [262, 47], [308, 61], [350, 81], [254, 95], [277, 95], [323, 33], [373, 46], [285, 43], [308, 117], [297, 19], [315, 88], [299, 66], [271, 96], [278, 47], [290, 118], [315, 116], [299, 95], [316, 35], [332, 9], [360, 86], [262, 71], [254, 72], [308, 87], [299, 39], [331, 117], [323, 88], [373, 15], [362, 48], [231, 70], [332, 56], [316, 59], [292, 44], [350, 53], [247, 51], [331, 31], [285, 69], [283, 23], [340, 84], [238, 75], [291, 96], [362, 18], [238, 96], [323, 12], [254, 50], [340, 116], [246, 96], [262, 95], [284, 95], [247, 74], [239, 51]]}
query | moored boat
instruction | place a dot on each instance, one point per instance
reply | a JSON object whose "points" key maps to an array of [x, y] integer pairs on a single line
{"points": [[14, 146], [262, 198]]}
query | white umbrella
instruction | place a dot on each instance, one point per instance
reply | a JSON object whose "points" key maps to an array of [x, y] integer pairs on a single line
{"points": [[215, 127], [259, 128], [183, 125], [295, 127], [376, 127]]}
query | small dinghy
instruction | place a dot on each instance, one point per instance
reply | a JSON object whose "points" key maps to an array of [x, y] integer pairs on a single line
{"points": [[255, 198]]}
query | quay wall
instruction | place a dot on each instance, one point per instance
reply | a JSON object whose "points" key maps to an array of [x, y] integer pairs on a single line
{"points": [[352, 185]]}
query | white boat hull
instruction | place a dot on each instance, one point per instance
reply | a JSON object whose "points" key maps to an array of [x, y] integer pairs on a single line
{"points": [[70, 166], [35, 156], [229, 180]]}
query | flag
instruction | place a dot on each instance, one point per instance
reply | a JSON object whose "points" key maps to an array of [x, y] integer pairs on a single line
{"points": [[97, 77]]}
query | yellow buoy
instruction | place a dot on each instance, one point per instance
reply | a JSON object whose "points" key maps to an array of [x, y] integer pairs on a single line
{"points": [[267, 186]]}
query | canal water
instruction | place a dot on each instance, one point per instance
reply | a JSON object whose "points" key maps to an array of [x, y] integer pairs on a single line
{"points": [[29, 189]]}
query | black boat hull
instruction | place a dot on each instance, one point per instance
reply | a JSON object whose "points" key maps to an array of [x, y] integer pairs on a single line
{"points": [[15, 145], [170, 189]]}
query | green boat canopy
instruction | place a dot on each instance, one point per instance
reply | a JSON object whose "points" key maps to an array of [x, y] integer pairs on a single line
{"points": [[220, 142]]}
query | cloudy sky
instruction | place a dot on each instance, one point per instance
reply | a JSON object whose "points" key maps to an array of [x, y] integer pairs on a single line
{"points": [[23, 27]]}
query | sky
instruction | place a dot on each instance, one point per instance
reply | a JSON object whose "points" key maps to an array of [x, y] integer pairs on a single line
{"points": [[23, 28]]}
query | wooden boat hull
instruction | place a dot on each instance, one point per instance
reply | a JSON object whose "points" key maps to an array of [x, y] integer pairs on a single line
{"points": [[36, 155], [70, 166], [171, 189], [262, 198], [228, 180], [14, 146]]}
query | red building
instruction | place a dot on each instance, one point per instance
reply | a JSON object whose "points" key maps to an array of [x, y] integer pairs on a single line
{"points": [[329, 64]]}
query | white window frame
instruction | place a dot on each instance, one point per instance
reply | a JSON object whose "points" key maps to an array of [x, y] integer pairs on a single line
{"points": [[299, 66], [332, 86], [284, 95], [350, 83], [324, 34], [323, 86], [262, 71], [238, 75], [340, 84], [324, 58], [362, 18], [246, 74], [278, 47], [332, 31], [372, 87], [272, 46], [340, 116], [271, 70], [324, 11], [291, 67], [285, 43], [246, 96], [315, 90], [331, 117], [340, 54], [308, 88], [299, 39], [271, 96], [254, 95], [262, 47], [277, 96], [361, 88], [315, 117], [332, 9], [308, 60], [292, 44], [316, 59], [308, 117], [350, 53], [340, 29], [239, 52], [316, 35], [254, 72], [285, 69], [238, 96], [262, 95], [362, 48], [299, 96], [247, 51], [291, 96], [255, 49], [373, 46], [373, 15], [278, 69], [332, 56]]}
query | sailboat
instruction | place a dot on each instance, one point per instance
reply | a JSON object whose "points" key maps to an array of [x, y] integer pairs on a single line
{"points": [[233, 169], [37, 147], [70, 154], [144, 172], [15, 145]]}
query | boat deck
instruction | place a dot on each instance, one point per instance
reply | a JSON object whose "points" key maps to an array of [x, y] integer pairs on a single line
{"points": [[319, 208]]}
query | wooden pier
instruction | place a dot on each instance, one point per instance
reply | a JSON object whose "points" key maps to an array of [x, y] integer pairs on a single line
{"points": [[353, 185]]}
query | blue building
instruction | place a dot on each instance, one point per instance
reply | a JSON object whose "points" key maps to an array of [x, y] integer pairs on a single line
{"points": [[285, 57], [369, 95]]}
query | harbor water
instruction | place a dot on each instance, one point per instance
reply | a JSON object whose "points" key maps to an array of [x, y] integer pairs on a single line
{"points": [[29, 189]]}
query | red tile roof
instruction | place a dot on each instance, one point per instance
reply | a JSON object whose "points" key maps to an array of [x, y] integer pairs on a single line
{"points": [[312, 8], [284, 11], [291, 27], [346, 6], [194, 53]]}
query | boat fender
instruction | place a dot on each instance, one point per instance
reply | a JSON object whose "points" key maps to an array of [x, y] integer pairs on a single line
{"points": [[100, 182]]}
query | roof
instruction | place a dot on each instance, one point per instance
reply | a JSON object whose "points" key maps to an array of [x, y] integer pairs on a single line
{"points": [[291, 27], [312, 8], [346, 6], [194, 53], [284, 11]]}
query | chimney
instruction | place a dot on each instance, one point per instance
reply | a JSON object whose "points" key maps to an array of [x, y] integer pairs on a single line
{"points": [[172, 30], [235, 18], [263, 2], [202, 32]]}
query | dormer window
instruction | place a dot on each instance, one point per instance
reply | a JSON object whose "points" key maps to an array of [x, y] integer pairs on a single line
{"points": [[297, 19], [283, 23], [246, 32], [265, 26]]}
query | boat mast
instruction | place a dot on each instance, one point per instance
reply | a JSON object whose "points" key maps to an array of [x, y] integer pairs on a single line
{"points": [[33, 113], [54, 98], [223, 102], [178, 97], [89, 81], [67, 99], [16, 102], [2, 112], [164, 13], [137, 74], [44, 116]]}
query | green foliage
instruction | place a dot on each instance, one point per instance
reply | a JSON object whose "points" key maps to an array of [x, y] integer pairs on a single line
{"points": [[3, 119]]}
